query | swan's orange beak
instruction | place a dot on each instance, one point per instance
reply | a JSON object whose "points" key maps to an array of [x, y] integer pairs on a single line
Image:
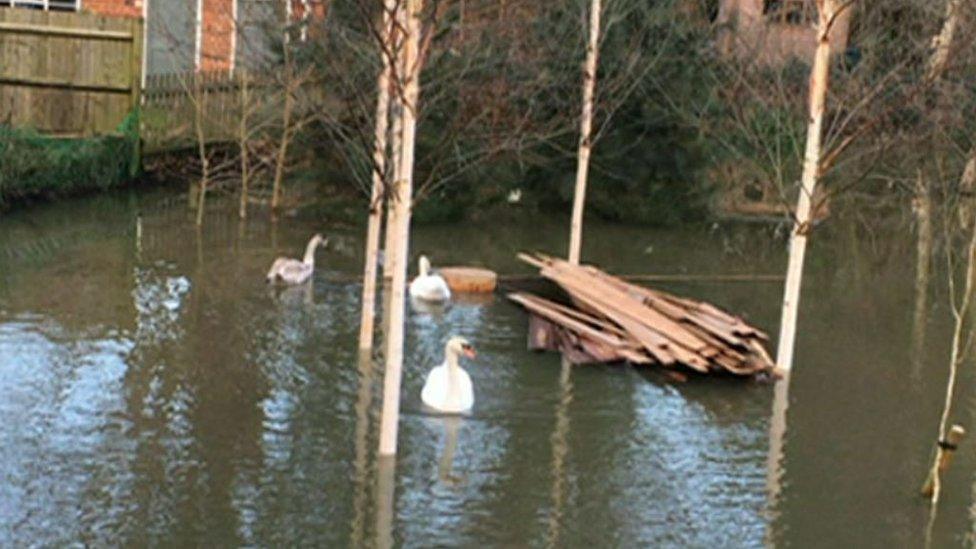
{"points": [[470, 352]]}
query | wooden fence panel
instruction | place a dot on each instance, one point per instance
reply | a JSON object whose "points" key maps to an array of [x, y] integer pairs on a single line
{"points": [[68, 73], [169, 104]]}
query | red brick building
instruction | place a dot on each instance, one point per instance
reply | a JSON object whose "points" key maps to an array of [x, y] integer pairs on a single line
{"points": [[206, 35], [115, 8], [774, 31]]}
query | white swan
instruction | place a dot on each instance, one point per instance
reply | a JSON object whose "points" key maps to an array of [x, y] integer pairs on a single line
{"points": [[448, 387], [427, 286], [293, 271]]}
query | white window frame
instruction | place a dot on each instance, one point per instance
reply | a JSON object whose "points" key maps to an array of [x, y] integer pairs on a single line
{"points": [[46, 5]]}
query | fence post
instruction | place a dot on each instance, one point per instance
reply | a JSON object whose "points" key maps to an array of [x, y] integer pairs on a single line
{"points": [[135, 80]]}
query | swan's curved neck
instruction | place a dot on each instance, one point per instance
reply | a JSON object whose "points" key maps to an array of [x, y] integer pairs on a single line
{"points": [[453, 364], [453, 377], [309, 258]]}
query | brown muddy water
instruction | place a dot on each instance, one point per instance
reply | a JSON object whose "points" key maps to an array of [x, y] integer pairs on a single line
{"points": [[153, 391]]}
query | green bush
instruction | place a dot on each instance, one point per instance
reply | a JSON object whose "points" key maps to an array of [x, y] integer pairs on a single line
{"points": [[33, 165]]}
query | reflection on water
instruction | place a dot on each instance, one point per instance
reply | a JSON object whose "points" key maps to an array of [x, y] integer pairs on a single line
{"points": [[435, 309], [777, 436], [445, 469], [154, 390], [364, 400], [559, 450]]}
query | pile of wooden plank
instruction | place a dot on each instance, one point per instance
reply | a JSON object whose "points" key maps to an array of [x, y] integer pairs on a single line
{"points": [[612, 320]]}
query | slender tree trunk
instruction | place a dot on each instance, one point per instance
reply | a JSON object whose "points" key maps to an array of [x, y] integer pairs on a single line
{"points": [[396, 134], [289, 74], [941, 50], [942, 43], [586, 129], [403, 197], [282, 148], [967, 191], [201, 146], [960, 313], [243, 138], [811, 168], [922, 204], [940, 58], [376, 196]]}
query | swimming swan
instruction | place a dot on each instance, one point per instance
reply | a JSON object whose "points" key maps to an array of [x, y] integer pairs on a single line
{"points": [[292, 271], [448, 387], [427, 286]]}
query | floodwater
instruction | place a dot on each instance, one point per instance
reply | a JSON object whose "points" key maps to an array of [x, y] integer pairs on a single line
{"points": [[153, 391]]}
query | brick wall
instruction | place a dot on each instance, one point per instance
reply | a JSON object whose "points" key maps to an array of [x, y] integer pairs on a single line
{"points": [[115, 8], [218, 32]]}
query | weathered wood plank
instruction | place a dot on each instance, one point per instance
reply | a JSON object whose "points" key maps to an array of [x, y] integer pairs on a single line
{"points": [[66, 73], [649, 324], [46, 30]]}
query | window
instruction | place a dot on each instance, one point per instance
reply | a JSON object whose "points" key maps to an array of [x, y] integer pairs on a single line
{"points": [[46, 5], [795, 12]]}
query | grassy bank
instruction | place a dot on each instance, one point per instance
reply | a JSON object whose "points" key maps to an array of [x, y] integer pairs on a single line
{"points": [[35, 166]]}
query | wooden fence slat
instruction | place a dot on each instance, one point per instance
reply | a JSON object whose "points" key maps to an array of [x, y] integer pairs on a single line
{"points": [[46, 30], [60, 71]]}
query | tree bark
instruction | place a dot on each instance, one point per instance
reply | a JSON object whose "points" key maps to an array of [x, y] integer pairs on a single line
{"points": [[283, 146], [403, 196], [199, 106], [967, 190], [942, 42], [798, 239], [960, 313], [586, 126], [941, 46], [396, 134], [376, 196], [243, 138]]}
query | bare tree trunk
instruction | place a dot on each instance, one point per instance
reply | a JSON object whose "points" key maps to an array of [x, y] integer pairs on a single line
{"points": [[243, 138], [367, 316], [283, 146], [922, 204], [811, 169], [942, 43], [941, 49], [959, 313], [967, 190], [941, 46], [395, 139], [290, 85], [199, 106], [585, 142], [403, 197], [396, 136]]}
